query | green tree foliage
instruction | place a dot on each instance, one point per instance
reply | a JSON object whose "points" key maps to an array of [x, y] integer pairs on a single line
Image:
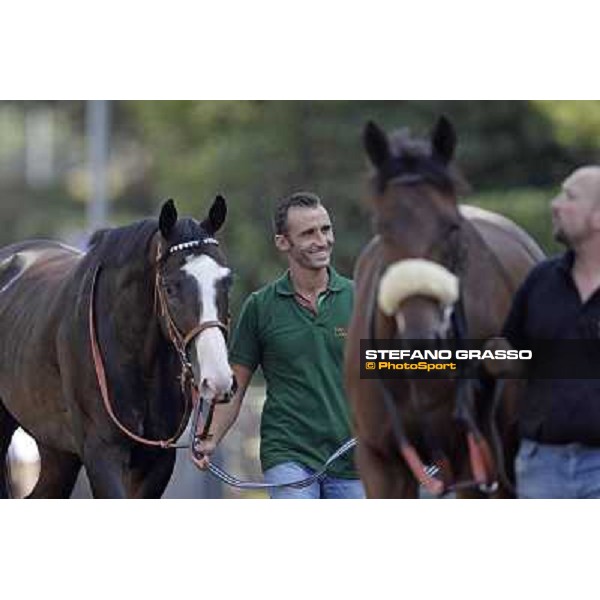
{"points": [[514, 154], [257, 151], [575, 124]]}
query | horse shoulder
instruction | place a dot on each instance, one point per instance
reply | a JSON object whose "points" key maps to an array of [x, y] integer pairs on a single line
{"points": [[500, 255], [516, 251], [488, 222]]}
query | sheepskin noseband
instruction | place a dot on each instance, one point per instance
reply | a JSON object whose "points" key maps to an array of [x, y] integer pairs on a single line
{"points": [[416, 277]]}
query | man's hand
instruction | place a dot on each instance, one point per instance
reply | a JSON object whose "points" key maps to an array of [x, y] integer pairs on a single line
{"points": [[500, 368], [201, 452], [223, 418]]}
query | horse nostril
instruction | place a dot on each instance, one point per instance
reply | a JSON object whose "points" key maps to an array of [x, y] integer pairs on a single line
{"points": [[219, 384]]}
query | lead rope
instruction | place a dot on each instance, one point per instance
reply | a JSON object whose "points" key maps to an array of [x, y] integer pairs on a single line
{"points": [[232, 481]]}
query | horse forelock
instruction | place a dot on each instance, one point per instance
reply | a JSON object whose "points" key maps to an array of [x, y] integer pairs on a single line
{"points": [[411, 163]]}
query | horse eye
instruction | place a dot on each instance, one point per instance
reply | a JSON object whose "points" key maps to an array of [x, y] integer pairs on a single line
{"points": [[171, 289]]}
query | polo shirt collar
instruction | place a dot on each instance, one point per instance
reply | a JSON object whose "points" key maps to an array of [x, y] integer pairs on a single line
{"points": [[284, 285]]}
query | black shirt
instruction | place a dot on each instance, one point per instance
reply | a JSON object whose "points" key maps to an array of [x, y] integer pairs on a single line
{"points": [[548, 307]]}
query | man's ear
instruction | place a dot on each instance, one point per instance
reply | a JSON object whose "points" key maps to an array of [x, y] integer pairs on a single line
{"points": [[282, 243]]}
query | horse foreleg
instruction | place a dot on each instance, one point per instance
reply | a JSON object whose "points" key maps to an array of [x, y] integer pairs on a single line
{"points": [[107, 468], [58, 473], [152, 471], [382, 476]]}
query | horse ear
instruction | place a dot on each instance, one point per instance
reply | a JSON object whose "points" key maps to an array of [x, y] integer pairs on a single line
{"points": [[216, 216], [376, 144], [168, 218], [443, 140]]}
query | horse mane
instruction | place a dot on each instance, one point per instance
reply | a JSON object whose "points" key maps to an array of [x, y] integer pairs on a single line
{"points": [[412, 156], [120, 246]]}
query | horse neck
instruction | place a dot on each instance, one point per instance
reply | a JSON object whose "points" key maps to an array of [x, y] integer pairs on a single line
{"points": [[133, 309]]}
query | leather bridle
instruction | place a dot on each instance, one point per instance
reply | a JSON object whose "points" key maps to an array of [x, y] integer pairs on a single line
{"points": [[180, 341]]}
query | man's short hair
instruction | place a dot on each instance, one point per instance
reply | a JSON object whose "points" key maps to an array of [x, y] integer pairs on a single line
{"points": [[299, 199]]}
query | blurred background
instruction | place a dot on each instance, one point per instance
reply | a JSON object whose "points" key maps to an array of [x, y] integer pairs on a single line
{"points": [[67, 168]]}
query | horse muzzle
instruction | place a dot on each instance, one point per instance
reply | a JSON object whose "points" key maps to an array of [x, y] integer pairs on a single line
{"points": [[210, 365]]}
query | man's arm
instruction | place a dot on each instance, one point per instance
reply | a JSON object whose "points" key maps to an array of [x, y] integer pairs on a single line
{"points": [[513, 336], [224, 417]]}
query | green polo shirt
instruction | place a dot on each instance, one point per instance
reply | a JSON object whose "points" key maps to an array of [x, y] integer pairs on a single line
{"points": [[305, 417]]}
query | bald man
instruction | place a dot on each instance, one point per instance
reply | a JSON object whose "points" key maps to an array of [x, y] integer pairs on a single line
{"points": [[559, 419]]}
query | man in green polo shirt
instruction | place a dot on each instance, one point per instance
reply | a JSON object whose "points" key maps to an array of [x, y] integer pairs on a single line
{"points": [[295, 329]]}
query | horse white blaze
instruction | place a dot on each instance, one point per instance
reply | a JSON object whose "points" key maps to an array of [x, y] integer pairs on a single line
{"points": [[210, 346]]}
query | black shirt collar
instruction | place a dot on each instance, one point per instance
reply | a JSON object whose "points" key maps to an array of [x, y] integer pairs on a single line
{"points": [[565, 262]]}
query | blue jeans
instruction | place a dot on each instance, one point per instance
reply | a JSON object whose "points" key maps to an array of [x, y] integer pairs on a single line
{"points": [[328, 487], [561, 471]]}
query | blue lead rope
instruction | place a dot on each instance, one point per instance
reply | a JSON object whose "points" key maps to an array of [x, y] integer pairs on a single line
{"points": [[225, 477]]}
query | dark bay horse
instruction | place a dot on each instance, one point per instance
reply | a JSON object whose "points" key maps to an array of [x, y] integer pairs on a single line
{"points": [[143, 313], [431, 265]]}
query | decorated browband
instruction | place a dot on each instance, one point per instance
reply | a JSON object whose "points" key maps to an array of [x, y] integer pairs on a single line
{"points": [[192, 244], [210, 241]]}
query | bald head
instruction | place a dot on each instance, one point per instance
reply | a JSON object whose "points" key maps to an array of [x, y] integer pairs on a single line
{"points": [[584, 183], [576, 209]]}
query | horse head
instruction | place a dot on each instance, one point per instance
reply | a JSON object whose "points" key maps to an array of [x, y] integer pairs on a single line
{"points": [[417, 219], [430, 271], [192, 285]]}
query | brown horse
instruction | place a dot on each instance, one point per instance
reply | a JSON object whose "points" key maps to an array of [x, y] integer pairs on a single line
{"points": [[99, 351], [469, 264]]}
